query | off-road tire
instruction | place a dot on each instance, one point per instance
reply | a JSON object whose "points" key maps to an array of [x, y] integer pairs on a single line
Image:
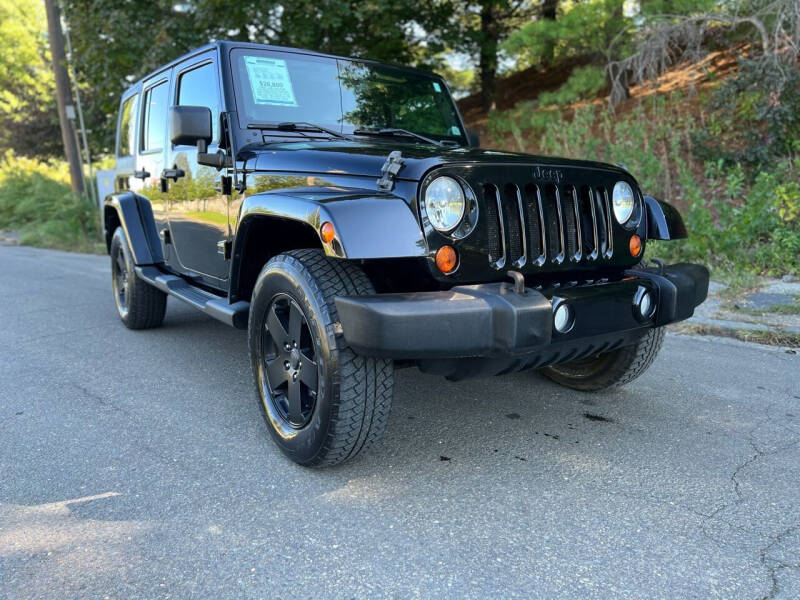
{"points": [[143, 306], [611, 369], [354, 394]]}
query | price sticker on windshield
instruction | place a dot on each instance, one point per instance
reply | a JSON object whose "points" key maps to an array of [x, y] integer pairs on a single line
{"points": [[270, 81]]}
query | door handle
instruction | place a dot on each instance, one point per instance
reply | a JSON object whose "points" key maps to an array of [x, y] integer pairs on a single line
{"points": [[174, 173], [143, 174]]}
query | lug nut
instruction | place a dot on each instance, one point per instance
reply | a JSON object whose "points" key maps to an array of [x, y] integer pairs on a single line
{"points": [[286, 365]]}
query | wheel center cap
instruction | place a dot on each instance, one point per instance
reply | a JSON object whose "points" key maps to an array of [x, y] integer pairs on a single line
{"points": [[294, 358]]}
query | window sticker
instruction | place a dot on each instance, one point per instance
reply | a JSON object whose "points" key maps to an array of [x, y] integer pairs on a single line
{"points": [[455, 130], [437, 87], [269, 80]]}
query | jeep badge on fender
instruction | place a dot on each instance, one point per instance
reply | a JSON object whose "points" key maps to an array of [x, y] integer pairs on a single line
{"points": [[340, 212]]}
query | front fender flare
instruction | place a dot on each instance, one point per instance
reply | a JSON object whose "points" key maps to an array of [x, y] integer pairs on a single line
{"points": [[367, 225], [664, 222], [136, 218]]}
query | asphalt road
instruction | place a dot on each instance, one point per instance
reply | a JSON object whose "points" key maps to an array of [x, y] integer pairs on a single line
{"points": [[137, 465]]}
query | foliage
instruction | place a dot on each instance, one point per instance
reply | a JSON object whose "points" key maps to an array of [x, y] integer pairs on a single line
{"points": [[754, 118], [28, 118], [36, 201], [584, 82], [770, 27], [586, 28]]}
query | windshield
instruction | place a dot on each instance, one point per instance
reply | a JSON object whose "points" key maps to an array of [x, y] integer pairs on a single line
{"points": [[284, 87]]}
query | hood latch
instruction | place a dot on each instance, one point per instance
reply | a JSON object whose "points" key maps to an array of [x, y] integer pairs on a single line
{"points": [[389, 170]]}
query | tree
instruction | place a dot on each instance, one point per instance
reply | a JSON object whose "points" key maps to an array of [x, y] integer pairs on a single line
{"points": [[478, 28], [28, 117]]}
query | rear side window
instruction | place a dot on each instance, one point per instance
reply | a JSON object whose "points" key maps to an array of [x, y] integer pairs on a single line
{"points": [[155, 117], [198, 87], [127, 127]]}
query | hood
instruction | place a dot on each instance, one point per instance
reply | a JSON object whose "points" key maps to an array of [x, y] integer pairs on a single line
{"points": [[365, 157]]}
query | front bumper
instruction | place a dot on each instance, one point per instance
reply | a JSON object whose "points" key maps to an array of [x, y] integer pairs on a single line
{"points": [[492, 321]]}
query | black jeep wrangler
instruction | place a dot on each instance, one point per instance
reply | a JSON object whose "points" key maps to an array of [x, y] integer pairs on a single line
{"points": [[339, 210]]}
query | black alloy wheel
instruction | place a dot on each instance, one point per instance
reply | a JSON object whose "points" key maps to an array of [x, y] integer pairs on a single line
{"points": [[120, 281], [290, 373]]}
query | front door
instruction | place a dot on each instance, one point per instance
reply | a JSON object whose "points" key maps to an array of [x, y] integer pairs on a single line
{"points": [[198, 214]]}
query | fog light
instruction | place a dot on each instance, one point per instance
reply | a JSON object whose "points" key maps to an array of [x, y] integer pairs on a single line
{"points": [[644, 303], [563, 318]]}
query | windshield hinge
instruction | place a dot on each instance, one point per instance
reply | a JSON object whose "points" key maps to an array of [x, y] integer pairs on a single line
{"points": [[389, 170]]}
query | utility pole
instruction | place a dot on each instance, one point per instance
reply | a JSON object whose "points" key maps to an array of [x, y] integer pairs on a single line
{"points": [[66, 111]]}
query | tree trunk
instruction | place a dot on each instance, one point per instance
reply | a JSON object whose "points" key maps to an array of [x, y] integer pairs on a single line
{"points": [[548, 10], [488, 55], [64, 96]]}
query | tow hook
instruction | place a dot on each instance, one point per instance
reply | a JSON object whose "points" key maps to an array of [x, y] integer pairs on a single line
{"points": [[519, 281]]}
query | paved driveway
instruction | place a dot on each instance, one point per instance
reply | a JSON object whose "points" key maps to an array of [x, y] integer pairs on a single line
{"points": [[137, 465]]}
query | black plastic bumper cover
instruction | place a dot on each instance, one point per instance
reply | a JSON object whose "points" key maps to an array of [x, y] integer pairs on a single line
{"points": [[492, 320]]}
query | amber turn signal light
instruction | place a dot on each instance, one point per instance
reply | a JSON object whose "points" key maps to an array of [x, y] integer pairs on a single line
{"points": [[446, 259], [327, 232], [635, 245]]}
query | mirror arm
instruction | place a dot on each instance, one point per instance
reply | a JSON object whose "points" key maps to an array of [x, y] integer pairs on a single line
{"points": [[217, 159]]}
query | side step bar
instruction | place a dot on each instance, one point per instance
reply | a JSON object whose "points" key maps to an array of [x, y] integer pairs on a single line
{"points": [[235, 314]]}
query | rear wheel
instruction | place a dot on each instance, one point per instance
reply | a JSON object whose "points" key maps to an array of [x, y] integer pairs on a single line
{"points": [[139, 304], [610, 369], [323, 403]]}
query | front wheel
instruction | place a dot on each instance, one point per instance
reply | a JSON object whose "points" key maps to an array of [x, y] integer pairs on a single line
{"points": [[323, 403], [610, 369]]}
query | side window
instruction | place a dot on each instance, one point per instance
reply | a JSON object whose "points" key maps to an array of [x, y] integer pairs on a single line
{"points": [[127, 127], [155, 117], [198, 87]]}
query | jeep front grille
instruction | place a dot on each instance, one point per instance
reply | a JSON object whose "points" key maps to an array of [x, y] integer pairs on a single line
{"points": [[547, 223]]}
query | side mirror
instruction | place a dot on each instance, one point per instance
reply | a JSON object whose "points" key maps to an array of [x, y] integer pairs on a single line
{"points": [[190, 125], [473, 138]]}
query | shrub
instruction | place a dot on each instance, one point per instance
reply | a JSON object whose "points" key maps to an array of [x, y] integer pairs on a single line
{"points": [[36, 200]]}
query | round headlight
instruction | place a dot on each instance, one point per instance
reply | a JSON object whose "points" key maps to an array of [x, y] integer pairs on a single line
{"points": [[622, 200], [444, 203]]}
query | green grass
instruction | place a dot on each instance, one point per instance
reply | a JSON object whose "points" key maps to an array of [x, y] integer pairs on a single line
{"points": [[208, 216], [36, 201]]}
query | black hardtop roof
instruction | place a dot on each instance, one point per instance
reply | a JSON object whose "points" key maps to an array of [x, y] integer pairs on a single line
{"points": [[224, 46]]}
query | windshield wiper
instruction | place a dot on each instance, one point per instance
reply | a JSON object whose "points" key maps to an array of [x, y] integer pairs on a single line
{"points": [[299, 127], [394, 131]]}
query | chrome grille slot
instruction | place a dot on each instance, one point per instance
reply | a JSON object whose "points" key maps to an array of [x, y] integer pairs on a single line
{"points": [[605, 225], [553, 224], [588, 216], [572, 232], [534, 219], [512, 203], [494, 233]]}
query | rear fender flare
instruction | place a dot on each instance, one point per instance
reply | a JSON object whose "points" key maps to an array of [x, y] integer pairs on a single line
{"points": [[136, 219]]}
